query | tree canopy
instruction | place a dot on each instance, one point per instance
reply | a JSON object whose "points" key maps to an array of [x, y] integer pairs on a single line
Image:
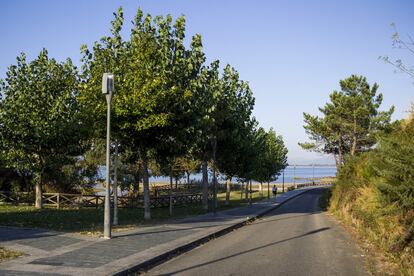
{"points": [[350, 122], [40, 119], [170, 111]]}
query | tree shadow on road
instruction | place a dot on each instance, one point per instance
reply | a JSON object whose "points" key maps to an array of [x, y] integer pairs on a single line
{"points": [[250, 250]]}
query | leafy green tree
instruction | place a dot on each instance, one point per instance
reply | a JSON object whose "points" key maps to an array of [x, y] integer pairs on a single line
{"points": [[189, 165], [207, 91], [154, 71], [224, 104], [350, 122], [272, 158], [251, 148], [39, 115], [233, 114], [160, 86]]}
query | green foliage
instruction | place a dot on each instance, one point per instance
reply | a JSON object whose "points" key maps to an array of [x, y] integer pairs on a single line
{"points": [[41, 119], [351, 120], [395, 166], [170, 112], [272, 158], [231, 118], [349, 178], [377, 189]]}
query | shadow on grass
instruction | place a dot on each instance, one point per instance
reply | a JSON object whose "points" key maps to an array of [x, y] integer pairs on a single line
{"points": [[91, 220]]}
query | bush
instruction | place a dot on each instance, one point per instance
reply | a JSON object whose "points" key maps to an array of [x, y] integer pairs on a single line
{"points": [[374, 192]]}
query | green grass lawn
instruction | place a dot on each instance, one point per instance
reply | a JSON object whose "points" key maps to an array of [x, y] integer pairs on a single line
{"points": [[90, 220]]}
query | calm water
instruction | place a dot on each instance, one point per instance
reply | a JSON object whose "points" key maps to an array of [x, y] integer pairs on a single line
{"points": [[298, 174], [305, 173]]}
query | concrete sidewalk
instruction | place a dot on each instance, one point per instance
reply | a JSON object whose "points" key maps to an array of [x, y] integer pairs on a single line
{"points": [[54, 253]]}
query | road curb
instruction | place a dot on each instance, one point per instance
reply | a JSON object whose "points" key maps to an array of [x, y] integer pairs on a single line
{"points": [[148, 264]]}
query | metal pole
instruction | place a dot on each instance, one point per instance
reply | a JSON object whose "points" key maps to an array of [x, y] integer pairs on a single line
{"points": [[116, 184], [107, 212], [170, 195], [294, 176], [214, 178], [215, 189], [313, 174]]}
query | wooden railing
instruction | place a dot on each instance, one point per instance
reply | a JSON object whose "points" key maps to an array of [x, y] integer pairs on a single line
{"points": [[59, 200], [16, 198]]}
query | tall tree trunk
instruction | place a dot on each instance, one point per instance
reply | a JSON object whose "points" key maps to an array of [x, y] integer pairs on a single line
{"points": [[247, 189], [340, 156], [354, 144], [354, 138], [145, 176], [228, 190], [205, 185], [336, 161], [137, 177], [340, 160], [188, 178], [261, 188], [176, 183], [268, 189], [171, 199], [38, 193], [215, 204]]}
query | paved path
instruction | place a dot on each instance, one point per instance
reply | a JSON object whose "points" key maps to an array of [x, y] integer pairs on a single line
{"points": [[57, 253], [295, 239]]}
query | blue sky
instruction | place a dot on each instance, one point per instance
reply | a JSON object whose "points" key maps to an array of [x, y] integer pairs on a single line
{"points": [[293, 53]]}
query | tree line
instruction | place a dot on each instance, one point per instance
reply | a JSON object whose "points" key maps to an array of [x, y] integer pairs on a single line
{"points": [[172, 113]]}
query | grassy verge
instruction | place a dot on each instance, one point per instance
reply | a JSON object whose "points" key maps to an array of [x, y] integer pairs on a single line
{"points": [[90, 220], [6, 254], [376, 228], [324, 199]]}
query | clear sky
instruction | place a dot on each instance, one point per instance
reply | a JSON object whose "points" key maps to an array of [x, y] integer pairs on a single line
{"points": [[293, 53]]}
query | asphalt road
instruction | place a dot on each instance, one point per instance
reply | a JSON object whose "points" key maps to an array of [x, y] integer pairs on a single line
{"points": [[295, 239]]}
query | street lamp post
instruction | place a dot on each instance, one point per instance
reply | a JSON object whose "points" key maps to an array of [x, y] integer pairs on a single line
{"points": [[115, 188], [313, 174], [294, 176], [108, 90]]}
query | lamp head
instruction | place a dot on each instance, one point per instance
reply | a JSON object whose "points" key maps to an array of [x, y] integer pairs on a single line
{"points": [[108, 84]]}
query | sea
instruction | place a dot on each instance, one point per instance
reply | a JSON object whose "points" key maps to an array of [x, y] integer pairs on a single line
{"points": [[302, 174], [291, 174]]}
